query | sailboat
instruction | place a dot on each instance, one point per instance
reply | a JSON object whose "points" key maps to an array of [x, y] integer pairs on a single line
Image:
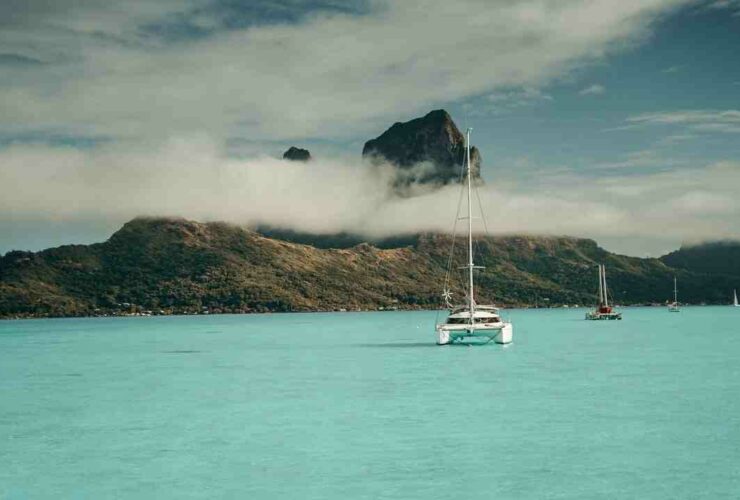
{"points": [[471, 322], [734, 302], [674, 306], [604, 310]]}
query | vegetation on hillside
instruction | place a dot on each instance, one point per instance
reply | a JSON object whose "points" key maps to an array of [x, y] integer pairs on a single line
{"points": [[166, 266]]}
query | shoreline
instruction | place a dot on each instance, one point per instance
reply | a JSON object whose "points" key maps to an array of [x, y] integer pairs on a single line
{"points": [[149, 313]]}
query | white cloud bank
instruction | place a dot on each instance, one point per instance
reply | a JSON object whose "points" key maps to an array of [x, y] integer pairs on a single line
{"points": [[329, 75], [190, 179]]}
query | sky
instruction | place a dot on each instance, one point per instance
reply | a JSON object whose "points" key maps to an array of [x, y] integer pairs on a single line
{"points": [[615, 120]]}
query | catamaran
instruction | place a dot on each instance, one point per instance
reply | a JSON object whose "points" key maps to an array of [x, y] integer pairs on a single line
{"points": [[604, 310], [734, 302], [674, 306], [471, 322]]}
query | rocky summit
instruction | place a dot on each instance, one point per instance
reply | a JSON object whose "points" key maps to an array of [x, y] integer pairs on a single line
{"points": [[426, 150], [297, 154]]}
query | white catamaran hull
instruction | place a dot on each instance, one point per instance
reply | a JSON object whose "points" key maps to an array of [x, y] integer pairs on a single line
{"points": [[501, 333], [472, 322]]}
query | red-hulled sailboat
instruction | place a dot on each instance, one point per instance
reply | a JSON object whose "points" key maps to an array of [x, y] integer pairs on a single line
{"points": [[604, 310]]}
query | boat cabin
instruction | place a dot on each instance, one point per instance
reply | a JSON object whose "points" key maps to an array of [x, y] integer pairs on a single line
{"points": [[483, 314]]}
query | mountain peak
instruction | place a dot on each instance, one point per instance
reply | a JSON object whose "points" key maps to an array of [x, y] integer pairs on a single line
{"points": [[297, 154], [426, 150]]}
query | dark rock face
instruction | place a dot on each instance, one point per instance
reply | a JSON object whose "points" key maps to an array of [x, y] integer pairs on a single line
{"points": [[297, 154], [426, 150]]}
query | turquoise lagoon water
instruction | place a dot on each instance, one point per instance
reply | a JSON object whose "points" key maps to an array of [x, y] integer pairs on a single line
{"points": [[364, 405]]}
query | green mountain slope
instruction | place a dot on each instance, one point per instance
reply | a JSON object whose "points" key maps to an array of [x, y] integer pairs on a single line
{"points": [[719, 257], [180, 266]]}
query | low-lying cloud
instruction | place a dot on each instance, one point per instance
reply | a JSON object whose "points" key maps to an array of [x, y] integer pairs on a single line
{"points": [[191, 178]]}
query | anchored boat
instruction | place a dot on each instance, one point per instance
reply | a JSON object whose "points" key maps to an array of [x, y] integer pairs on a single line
{"points": [[674, 306], [734, 302], [470, 322], [604, 310]]}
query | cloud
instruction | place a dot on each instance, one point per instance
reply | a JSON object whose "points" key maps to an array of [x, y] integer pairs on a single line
{"points": [[724, 5], [731, 7], [727, 121], [189, 177], [672, 69], [96, 17], [594, 89], [643, 160], [504, 101], [518, 97], [676, 138], [326, 73], [18, 60]]}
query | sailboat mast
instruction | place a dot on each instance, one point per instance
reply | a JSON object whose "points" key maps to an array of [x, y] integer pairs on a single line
{"points": [[675, 290], [603, 277], [470, 226], [601, 289]]}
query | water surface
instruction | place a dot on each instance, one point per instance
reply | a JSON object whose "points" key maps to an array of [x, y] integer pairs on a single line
{"points": [[364, 405]]}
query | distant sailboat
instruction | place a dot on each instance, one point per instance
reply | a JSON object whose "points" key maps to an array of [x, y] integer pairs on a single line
{"points": [[674, 306], [735, 299], [604, 310], [471, 321]]}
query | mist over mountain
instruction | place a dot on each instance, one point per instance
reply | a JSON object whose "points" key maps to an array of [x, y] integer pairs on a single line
{"points": [[406, 184]]}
